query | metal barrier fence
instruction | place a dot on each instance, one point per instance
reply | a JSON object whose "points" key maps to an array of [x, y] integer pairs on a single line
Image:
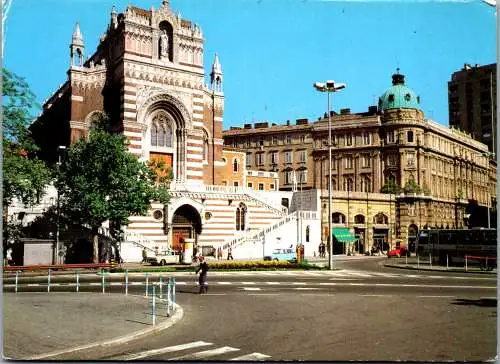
{"points": [[484, 263], [158, 298]]}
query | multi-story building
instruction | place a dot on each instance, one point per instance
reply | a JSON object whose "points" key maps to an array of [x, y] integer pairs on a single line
{"points": [[472, 102], [440, 170], [147, 75]]}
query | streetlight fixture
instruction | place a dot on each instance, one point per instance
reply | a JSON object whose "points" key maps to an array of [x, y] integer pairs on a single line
{"points": [[60, 149], [328, 87]]}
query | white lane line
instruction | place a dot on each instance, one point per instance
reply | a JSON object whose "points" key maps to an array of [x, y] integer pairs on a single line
{"points": [[115, 284], [344, 279], [169, 349], [214, 294], [139, 283], [248, 283], [224, 283], [273, 283], [92, 284], [250, 288], [180, 283], [375, 295], [327, 284], [299, 283], [33, 284], [436, 296], [263, 294], [207, 353], [306, 288], [253, 356]]}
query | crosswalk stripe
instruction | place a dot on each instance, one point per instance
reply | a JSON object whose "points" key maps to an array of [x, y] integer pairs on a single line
{"points": [[253, 356], [207, 353], [169, 349]]}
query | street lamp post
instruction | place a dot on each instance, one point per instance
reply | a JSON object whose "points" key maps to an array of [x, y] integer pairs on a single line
{"points": [[60, 149], [328, 87]]}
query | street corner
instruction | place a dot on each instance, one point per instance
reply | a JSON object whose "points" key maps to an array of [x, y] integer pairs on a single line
{"points": [[122, 331]]}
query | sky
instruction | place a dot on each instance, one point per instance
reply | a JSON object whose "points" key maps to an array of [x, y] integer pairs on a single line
{"points": [[272, 51]]}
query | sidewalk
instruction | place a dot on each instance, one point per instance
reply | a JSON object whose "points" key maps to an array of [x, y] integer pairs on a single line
{"points": [[36, 324]]}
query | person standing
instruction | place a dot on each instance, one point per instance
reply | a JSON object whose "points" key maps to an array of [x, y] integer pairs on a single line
{"points": [[230, 254], [202, 280]]}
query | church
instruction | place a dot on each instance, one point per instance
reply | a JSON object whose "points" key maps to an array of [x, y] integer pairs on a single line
{"points": [[147, 76]]}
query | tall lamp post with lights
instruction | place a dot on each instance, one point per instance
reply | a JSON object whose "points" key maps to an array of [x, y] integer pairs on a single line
{"points": [[328, 87], [60, 150]]}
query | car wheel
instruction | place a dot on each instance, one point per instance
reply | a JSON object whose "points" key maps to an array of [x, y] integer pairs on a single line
{"points": [[163, 262]]}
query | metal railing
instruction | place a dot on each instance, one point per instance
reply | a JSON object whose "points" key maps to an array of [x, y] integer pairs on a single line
{"points": [[155, 290]]}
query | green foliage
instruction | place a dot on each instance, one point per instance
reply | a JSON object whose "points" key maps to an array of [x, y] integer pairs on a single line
{"points": [[426, 190], [460, 193], [100, 180], [24, 176], [390, 187], [412, 187]]}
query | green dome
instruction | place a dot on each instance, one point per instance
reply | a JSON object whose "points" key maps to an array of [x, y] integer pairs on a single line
{"points": [[398, 96]]}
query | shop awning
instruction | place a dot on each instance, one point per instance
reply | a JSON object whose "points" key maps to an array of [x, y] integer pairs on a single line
{"points": [[343, 235]]}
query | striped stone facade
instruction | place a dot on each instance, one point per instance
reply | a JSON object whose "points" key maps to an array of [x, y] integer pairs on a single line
{"points": [[147, 75]]}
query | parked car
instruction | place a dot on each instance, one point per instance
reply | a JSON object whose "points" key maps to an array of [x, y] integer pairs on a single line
{"points": [[163, 257], [282, 255], [398, 252]]}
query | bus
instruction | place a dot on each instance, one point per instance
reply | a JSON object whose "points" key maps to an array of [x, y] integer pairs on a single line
{"points": [[454, 244]]}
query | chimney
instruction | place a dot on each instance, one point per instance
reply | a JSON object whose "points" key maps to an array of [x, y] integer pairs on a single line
{"points": [[247, 126]]}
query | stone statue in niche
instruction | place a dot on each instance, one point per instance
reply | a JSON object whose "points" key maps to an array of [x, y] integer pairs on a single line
{"points": [[164, 45]]}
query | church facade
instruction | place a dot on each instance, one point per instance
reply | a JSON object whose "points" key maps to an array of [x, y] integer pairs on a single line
{"points": [[147, 76]]}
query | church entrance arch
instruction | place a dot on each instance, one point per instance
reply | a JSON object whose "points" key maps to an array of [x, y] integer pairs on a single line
{"points": [[186, 224]]}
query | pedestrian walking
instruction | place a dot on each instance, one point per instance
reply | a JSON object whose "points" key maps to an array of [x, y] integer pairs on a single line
{"points": [[202, 280], [230, 254], [144, 256]]}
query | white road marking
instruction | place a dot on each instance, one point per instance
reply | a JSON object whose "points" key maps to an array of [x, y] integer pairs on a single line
{"points": [[33, 284], [140, 283], [251, 288], [375, 295], [273, 283], [224, 283], [249, 283], [253, 356], [180, 283], [436, 296], [214, 294], [169, 349], [307, 288], [299, 283], [207, 353], [263, 294]]}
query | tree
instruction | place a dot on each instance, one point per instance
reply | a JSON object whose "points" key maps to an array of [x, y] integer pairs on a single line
{"points": [[24, 176], [100, 180], [390, 187]]}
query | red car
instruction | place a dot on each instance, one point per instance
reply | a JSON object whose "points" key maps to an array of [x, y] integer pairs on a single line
{"points": [[398, 252]]}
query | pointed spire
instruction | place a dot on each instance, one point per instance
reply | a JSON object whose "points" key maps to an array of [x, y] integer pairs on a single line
{"points": [[77, 36], [114, 17], [216, 75], [216, 67]]}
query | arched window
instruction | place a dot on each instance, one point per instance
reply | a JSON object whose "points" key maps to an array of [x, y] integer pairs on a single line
{"points": [[308, 232], [380, 218], [161, 132], [338, 218], [154, 135], [205, 147], [235, 165], [241, 212], [359, 219]]}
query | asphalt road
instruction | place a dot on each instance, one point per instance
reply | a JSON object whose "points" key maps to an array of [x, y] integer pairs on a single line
{"points": [[363, 311]]}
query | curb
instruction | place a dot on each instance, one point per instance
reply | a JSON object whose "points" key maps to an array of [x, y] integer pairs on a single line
{"points": [[436, 270], [177, 316]]}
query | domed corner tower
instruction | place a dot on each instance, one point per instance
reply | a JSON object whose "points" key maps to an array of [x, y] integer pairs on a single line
{"points": [[400, 103], [403, 128]]}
